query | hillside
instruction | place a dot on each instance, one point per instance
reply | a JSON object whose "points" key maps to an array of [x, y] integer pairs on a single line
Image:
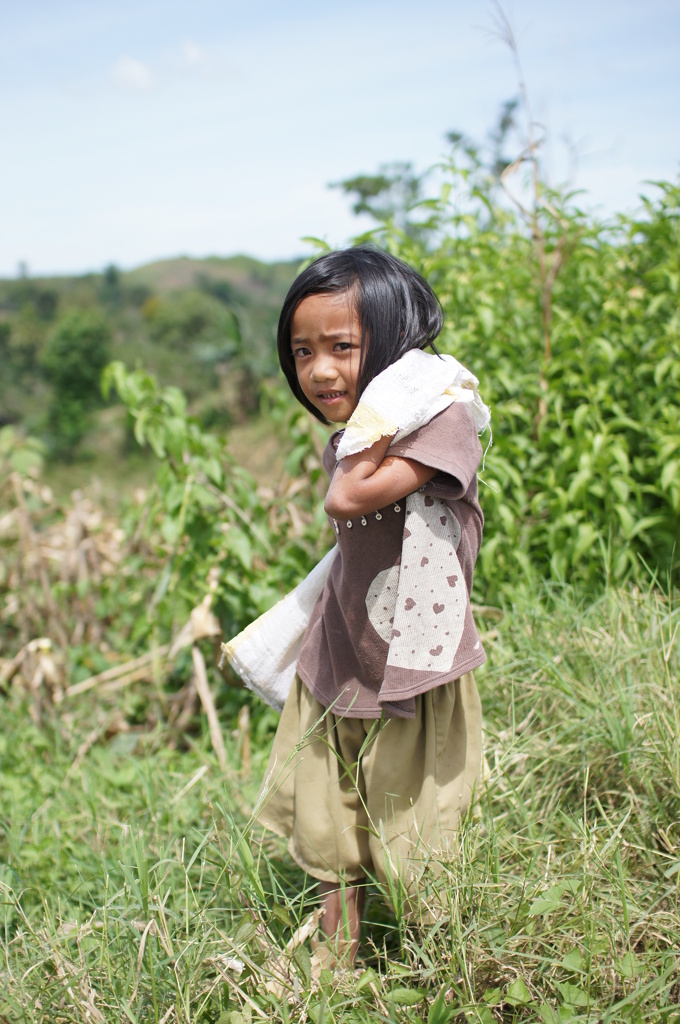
{"points": [[249, 277], [205, 325]]}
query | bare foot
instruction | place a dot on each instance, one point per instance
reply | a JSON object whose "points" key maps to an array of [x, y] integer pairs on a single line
{"points": [[341, 921]]}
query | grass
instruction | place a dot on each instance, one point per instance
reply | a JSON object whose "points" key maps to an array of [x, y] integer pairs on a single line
{"points": [[135, 887]]}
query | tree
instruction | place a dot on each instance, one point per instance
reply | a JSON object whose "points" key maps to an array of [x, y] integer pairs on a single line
{"points": [[218, 336], [389, 195], [190, 319], [77, 351], [111, 289]]}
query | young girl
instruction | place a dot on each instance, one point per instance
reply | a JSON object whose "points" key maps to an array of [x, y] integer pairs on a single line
{"points": [[378, 749]]}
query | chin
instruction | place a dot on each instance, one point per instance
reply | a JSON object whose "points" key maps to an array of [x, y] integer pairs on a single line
{"points": [[338, 414], [341, 416]]}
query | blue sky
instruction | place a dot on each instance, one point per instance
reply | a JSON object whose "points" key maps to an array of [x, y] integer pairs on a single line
{"points": [[141, 130]]}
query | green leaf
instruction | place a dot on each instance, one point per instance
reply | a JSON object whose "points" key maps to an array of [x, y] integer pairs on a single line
{"points": [[213, 470], [162, 585], [303, 961], [644, 524], [239, 545], [204, 498], [485, 1016], [626, 519], [573, 995], [170, 529], [486, 319], [630, 965], [573, 961], [245, 932], [282, 915], [7, 439], [24, 460], [518, 994], [155, 437], [407, 996], [175, 400], [620, 488], [663, 368], [544, 906], [440, 1012], [140, 425], [368, 978], [585, 537], [582, 414], [670, 474]]}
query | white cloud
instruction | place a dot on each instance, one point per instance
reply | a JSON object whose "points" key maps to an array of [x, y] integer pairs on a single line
{"points": [[132, 75], [192, 54]]}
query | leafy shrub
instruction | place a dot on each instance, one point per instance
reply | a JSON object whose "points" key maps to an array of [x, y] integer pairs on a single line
{"points": [[76, 353], [207, 518], [573, 328], [188, 319]]}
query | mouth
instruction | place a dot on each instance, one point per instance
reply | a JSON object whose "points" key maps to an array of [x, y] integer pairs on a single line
{"points": [[330, 396]]}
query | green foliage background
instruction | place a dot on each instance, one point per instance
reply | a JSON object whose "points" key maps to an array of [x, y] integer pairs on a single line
{"points": [[207, 325], [77, 350], [576, 345], [573, 328]]}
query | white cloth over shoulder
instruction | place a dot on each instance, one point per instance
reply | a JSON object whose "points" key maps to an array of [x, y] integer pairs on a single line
{"points": [[407, 395]]}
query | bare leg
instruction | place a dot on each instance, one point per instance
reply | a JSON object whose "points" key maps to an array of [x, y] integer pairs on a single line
{"points": [[342, 905]]}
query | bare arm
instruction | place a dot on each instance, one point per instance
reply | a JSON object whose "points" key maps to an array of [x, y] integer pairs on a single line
{"points": [[367, 481]]}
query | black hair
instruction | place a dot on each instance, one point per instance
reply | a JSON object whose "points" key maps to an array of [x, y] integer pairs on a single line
{"points": [[397, 309]]}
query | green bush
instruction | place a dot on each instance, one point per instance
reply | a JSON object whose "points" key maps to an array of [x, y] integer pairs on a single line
{"points": [[189, 319], [75, 355], [573, 328], [210, 525]]}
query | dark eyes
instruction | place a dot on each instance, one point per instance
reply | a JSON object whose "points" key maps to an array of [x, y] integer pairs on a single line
{"points": [[340, 346]]}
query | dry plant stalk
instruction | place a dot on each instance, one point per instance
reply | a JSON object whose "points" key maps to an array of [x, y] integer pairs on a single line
{"points": [[280, 981], [203, 688], [84, 548], [66, 970], [549, 265], [122, 675], [33, 566], [39, 672], [57, 567], [243, 734]]}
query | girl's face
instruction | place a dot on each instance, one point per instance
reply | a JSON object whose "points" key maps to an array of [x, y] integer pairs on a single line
{"points": [[325, 340]]}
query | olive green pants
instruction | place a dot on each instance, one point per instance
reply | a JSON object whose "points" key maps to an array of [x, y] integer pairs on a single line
{"points": [[376, 797]]}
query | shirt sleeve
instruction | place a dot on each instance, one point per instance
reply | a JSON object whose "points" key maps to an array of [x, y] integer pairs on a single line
{"points": [[328, 459], [449, 444]]}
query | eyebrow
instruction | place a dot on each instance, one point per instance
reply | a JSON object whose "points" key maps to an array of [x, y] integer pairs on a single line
{"points": [[332, 335]]}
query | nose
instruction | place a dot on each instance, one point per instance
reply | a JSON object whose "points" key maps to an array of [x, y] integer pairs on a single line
{"points": [[323, 368]]}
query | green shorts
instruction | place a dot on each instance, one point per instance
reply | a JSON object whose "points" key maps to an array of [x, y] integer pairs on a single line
{"points": [[376, 797]]}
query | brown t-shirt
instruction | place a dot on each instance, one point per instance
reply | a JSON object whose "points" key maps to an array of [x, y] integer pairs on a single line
{"points": [[353, 657]]}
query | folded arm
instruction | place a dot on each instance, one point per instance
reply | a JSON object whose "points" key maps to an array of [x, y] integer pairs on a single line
{"points": [[371, 479]]}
